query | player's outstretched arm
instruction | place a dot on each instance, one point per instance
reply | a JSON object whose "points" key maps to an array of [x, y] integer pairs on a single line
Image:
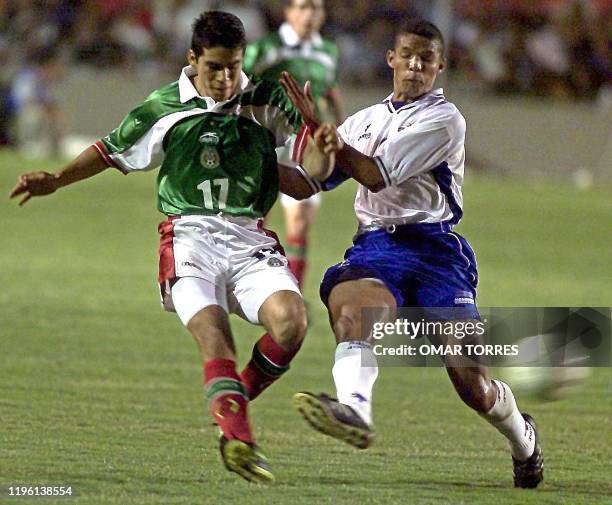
{"points": [[295, 183], [85, 165], [360, 167]]}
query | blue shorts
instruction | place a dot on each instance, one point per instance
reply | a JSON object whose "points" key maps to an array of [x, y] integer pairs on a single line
{"points": [[422, 265]]}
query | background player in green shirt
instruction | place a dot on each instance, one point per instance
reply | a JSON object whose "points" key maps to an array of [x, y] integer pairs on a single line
{"points": [[297, 47], [213, 135]]}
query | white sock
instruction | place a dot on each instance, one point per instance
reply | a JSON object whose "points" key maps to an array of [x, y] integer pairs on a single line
{"points": [[355, 371], [505, 416]]}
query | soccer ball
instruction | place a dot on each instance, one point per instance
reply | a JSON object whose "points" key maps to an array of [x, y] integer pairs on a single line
{"points": [[546, 383]]}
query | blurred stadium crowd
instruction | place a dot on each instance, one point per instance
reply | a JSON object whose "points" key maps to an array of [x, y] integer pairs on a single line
{"points": [[558, 48], [547, 47]]}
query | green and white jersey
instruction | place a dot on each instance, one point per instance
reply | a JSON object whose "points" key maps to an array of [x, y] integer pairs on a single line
{"points": [[314, 60], [214, 157]]}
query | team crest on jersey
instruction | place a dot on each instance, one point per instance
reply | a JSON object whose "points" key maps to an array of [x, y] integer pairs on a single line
{"points": [[275, 262], [209, 157]]}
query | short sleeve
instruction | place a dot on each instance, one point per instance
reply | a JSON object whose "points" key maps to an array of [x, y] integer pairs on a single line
{"points": [[343, 132], [132, 146], [348, 127], [137, 143], [419, 149]]}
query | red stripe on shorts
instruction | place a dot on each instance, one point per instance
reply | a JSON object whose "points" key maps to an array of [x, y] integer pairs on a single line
{"points": [[167, 271], [269, 233]]}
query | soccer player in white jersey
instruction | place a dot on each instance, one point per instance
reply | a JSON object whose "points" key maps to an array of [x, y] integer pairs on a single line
{"points": [[213, 134], [407, 153]]}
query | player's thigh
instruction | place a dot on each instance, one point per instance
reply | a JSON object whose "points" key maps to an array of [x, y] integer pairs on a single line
{"points": [[258, 279], [358, 304]]}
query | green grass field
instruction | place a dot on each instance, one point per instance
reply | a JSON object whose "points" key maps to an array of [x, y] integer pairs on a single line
{"points": [[101, 390]]}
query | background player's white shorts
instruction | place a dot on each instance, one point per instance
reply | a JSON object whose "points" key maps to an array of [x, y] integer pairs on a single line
{"points": [[287, 201], [233, 263]]}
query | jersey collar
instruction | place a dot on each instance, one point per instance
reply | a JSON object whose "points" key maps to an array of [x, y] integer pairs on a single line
{"points": [[290, 37], [187, 90], [427, 97]]}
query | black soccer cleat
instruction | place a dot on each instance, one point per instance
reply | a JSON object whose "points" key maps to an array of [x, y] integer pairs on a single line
{"points": [[246, 460], [529, 473], [333, 418]]}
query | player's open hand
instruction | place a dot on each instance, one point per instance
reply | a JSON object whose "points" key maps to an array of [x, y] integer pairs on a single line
{"points": [[318, 161], [302, 99], [327, 139], [34, 184]]}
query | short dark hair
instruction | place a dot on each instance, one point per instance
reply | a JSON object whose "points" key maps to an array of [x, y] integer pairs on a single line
{"points": [[216, 28], [422, 28]]}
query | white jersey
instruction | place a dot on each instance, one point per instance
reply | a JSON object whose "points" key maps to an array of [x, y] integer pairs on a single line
{"points": [[419, 150]]}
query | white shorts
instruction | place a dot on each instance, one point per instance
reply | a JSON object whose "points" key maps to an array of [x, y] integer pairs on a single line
{"points": [[288, 201], [237, 262]]}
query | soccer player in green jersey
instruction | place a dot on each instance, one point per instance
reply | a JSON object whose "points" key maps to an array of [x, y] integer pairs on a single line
{"points": [[214, 134], [297, 47]]}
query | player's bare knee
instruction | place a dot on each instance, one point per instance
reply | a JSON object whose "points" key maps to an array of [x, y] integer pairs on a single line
{"points": [[289, 324], [347, 326], [284, 315]]}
